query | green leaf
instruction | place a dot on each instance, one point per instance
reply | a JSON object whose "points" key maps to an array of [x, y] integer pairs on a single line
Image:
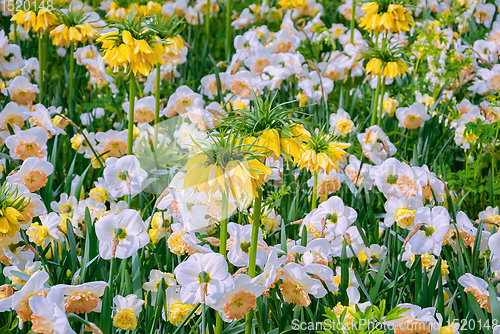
{"points": [[79, 184], [478, 312], [378, 280], [495, 308], [69, 177], [50, 178], [70, 236]]}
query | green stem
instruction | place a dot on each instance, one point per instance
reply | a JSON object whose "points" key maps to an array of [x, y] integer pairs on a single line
{"points": [[395, 287], [207, 19], [375, 103], [203, 319], [157, 105], [109, 324], [219, 324], [131, 98], [14, 24], [71, 80], [40, 68], [255, 233], [253, 249], [315, 191], [353, 20], [381, 108], [229, 9]]}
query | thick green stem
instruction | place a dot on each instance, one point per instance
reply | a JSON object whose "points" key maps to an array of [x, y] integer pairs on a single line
{"points": [[14, 24], [131, 99], [203, 319], [253, 249], [157, 105], [219, 324], [255, 233], [315, 191], [394, 289], [108, 323], [40, 68], [353, 20], [71, 80], [381, 108], [375, 103], [229, 37], [207, 19]]}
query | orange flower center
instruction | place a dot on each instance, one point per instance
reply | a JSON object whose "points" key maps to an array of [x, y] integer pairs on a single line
{"points": [[81, 302], [116, 148], [35, 180], [25, 149], [293, 292], [13, 120], [241, 303]]}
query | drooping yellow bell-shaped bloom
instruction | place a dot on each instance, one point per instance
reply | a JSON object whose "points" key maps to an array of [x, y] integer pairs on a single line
{"points": [[395, 19], [118, 13], [123, 50], [291, 146], [9, 221], [63, 35], [237, 176], [374, 66], [174, 45], [390, 69], [291, 4], [36, 22], [395, 69], [151, 8], [270, 139], [326, 160]]}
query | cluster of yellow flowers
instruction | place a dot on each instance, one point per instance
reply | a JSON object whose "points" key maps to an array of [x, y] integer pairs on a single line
{"points": [[11, 210], [291, 4], [66, 31], [237, 175], [36, 22], [395, 19], [123, 50], [63, 35], [119, 12], [327, 159], [390, 69]]}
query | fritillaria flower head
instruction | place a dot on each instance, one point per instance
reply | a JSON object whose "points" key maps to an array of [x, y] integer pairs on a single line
{"points": [[274, 130], [38, 18], [11, 206], [226, 165], [388, 60], [322, 152], [132, 46], [383, 16], [75, 26]]}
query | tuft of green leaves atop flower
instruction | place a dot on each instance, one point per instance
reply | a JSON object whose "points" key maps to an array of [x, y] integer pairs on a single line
{"points": [[265, 115], [165, 29], [11, 206]]}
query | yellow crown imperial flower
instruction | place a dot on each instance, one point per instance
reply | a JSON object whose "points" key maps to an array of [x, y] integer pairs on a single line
{"points": [[322, 152], [63, 35], [386, 61], [11, 208], [36, 21], [382, 17], [121, 49], [291, 4], [226, 166]]}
